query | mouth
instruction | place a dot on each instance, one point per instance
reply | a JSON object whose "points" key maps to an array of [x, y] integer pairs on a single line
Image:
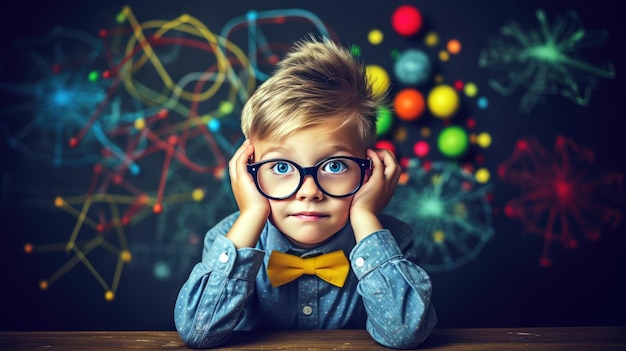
{"points": [[309, 216]]}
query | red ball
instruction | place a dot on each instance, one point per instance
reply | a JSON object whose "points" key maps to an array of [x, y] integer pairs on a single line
{"points": [[406, 20], [386, 144], [421, 148], [409, 104]]}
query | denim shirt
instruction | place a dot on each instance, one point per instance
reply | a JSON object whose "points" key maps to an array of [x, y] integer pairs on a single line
{"points": [[385, 291]]}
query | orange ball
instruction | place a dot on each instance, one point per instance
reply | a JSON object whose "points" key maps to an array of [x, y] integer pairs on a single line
{"points": [[409, 104]]}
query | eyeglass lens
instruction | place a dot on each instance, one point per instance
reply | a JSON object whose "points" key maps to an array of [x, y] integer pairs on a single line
{"points": [[336, 177]]}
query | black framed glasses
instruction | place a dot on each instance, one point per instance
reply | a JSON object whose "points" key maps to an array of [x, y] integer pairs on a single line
{"points": [[337, 176]]}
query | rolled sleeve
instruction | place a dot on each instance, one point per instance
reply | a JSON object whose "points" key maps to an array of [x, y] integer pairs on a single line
{"points": [[376, 249], [224, 258]]}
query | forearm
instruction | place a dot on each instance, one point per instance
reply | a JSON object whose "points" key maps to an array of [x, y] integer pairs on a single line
{"points": [[211, 301], [396, 293]]}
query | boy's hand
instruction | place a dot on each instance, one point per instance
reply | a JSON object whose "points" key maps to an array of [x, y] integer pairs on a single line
{"points": [[254, 208], [375, 193]]}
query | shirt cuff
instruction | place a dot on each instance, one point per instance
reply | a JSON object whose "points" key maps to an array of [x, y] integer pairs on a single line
{"points": [[223, 257], [376, 249]]}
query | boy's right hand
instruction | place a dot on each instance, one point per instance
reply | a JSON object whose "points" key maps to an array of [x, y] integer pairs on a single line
{"points": [[254, 208]]}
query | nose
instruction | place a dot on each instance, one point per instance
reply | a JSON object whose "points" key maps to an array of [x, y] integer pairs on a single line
{"points": [[309, 190]]}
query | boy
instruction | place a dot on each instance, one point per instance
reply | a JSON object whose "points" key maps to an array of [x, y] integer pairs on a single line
{"points": [[310, 190]]}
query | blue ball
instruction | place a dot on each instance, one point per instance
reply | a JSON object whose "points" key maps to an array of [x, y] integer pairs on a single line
{"points": [[413, 67]]}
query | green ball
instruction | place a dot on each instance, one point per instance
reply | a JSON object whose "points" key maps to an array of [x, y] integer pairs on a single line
{"points": [[453, 141], [384, 121]]}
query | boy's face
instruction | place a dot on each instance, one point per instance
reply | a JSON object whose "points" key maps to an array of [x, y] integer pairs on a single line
{"points": [[309, 217]]}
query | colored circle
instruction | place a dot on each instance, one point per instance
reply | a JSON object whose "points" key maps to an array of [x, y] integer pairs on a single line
{"points": [[406, 20], [413, 67], [452, 141], [482, 103], [443, 101], [453, 46], [421, 148], [409, 104], [483, 140], [482, 175], [384, 121], [470, 89], [386, 144], [378, 79], [375, 37], [431, 39]]}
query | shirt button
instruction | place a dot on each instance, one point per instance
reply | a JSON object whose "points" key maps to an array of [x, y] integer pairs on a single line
{"points": [[223, 257], [360, 262], [307, 310]]}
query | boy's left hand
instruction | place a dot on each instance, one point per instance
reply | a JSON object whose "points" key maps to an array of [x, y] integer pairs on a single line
{"points": [[376, 192]]}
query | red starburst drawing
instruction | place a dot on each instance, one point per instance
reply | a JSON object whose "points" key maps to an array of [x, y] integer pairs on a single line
{"points": [[564, 198]]}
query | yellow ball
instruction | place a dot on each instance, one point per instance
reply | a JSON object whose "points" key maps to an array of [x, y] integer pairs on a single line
{"points": [[483, 140], [197, 195], [378, 79], [470, 89], [482, 175], [443, 101], [375, 37]]}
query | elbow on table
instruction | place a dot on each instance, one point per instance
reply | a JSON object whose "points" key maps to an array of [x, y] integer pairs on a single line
{"points": [[196, 337]]}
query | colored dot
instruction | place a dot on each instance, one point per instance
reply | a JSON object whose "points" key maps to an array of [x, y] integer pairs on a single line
{"points": [[43, 285], [162, 113], [197, 195], [378, 79], [120, 18], [400, 134], [140, 123], [384, 121], [431, 39], [28, 248], [109, 295], [482, 175], [375, 37], [157, 208], [386, 144], [438, 236], [470, 89], [482, 103], [406, 20], [252, 15], [355, 50], [444, 56], [93, 76], [226, 107], [58, 201], [214, 125], [421, 148], [483, 140], [126, 256], [453, 46], [458, 85], [425, 132], [404, 178]]}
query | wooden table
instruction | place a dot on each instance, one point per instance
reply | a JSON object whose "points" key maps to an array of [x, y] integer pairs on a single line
{"points": [[577, 338]]}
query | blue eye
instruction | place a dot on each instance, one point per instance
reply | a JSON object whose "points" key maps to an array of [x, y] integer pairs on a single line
{"points": [[282, 168], [334, 166]]}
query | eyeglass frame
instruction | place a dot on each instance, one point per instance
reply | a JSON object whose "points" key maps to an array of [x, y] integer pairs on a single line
{"points": [[364, 164]]}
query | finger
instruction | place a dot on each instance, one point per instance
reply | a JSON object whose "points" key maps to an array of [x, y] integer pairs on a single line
{"points": [[238, 162]]}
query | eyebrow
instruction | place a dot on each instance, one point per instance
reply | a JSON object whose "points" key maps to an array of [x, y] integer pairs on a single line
{"points": [[332, 150]]}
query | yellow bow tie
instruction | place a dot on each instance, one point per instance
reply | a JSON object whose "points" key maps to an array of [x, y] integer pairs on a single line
{"points": [[332, 267]]}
